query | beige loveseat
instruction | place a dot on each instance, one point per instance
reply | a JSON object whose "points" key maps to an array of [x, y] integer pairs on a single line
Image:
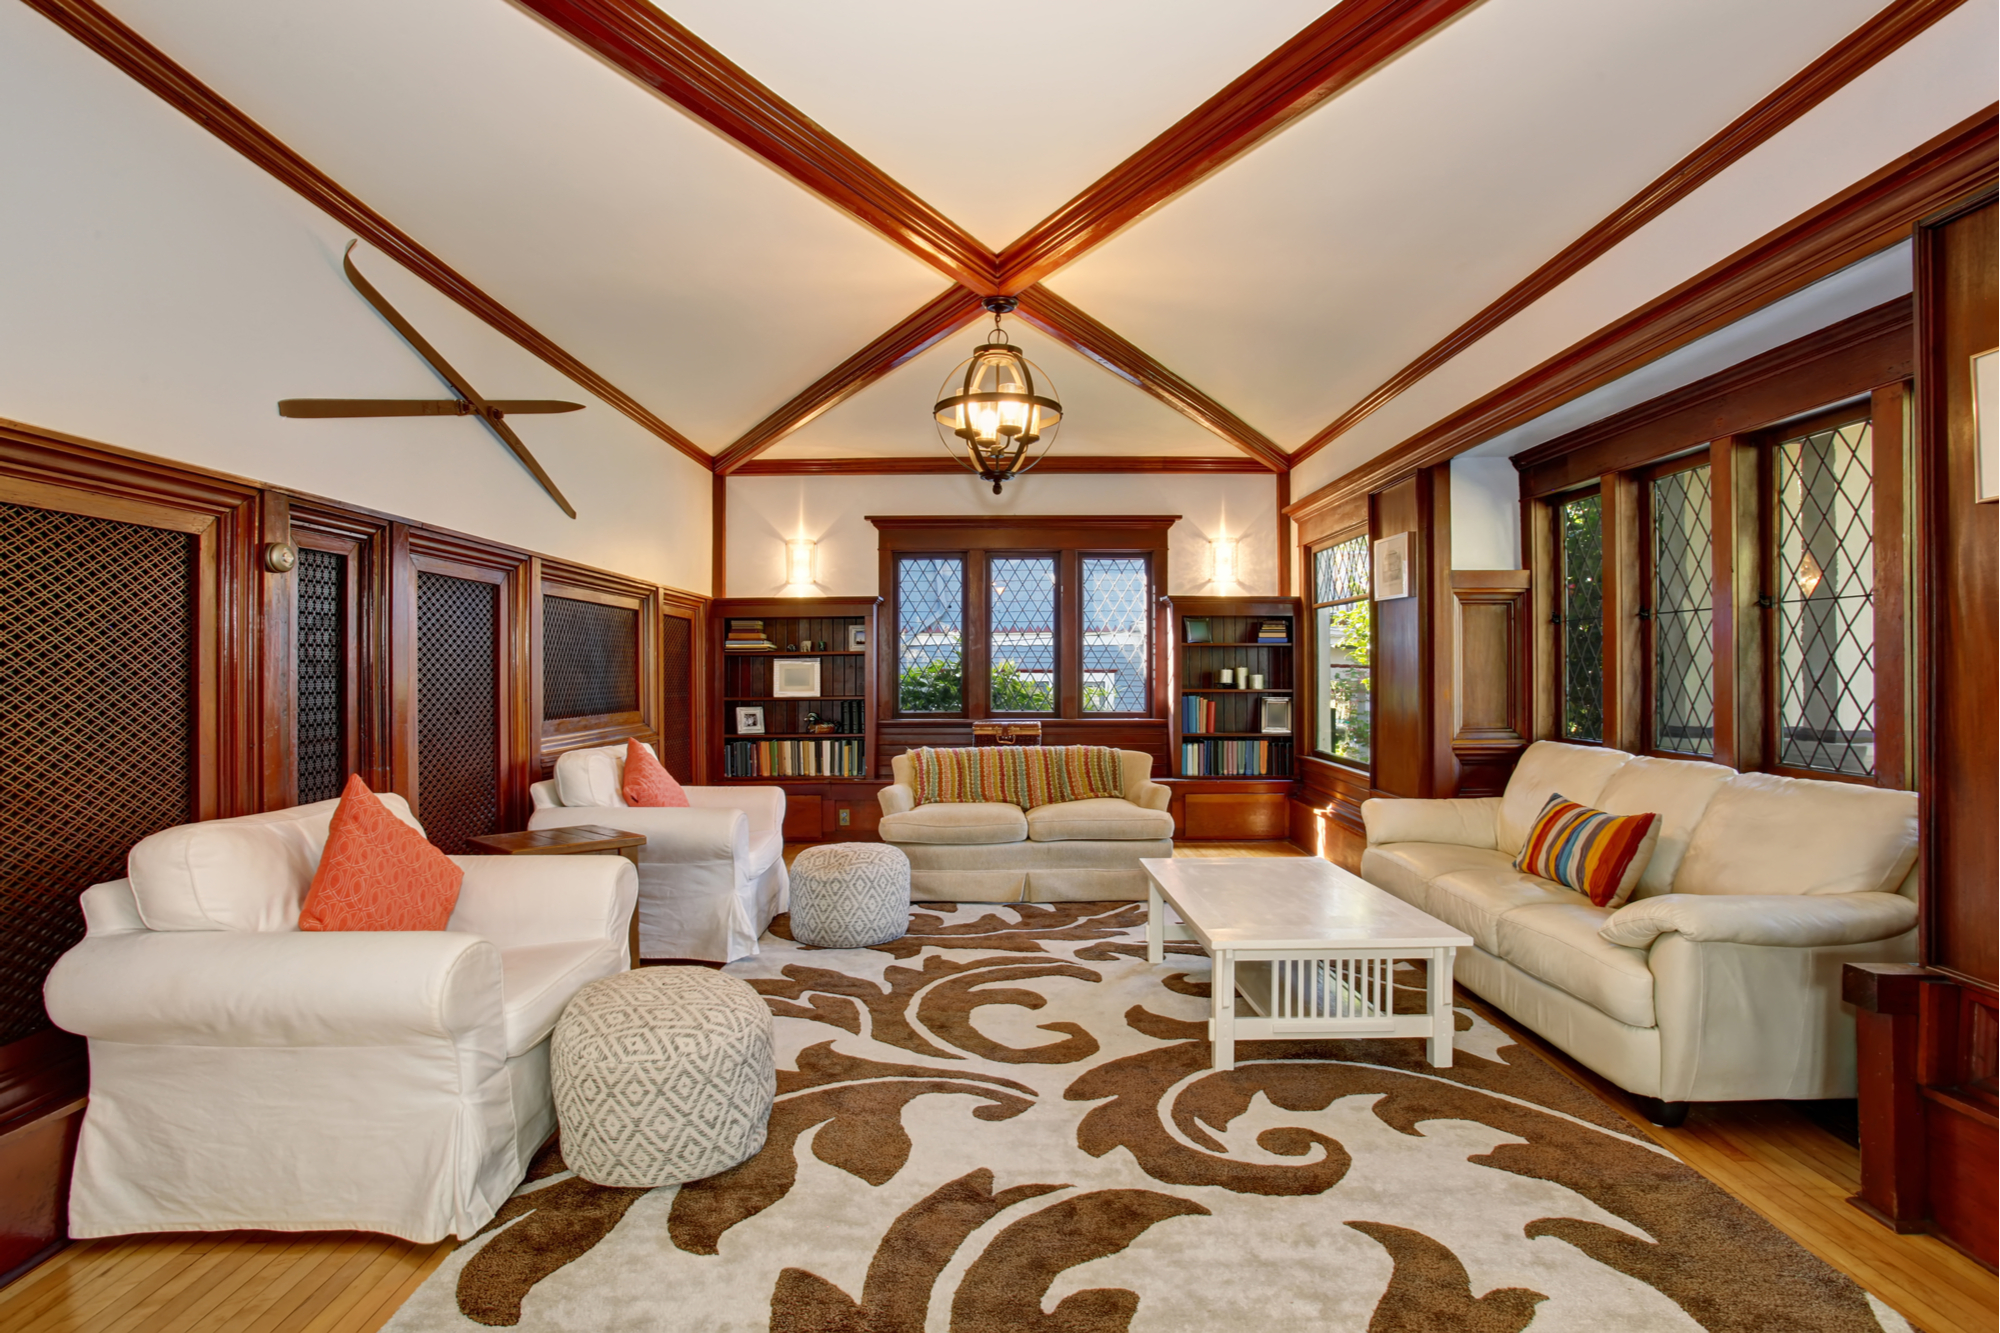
{"points": [[992, 852], [1720, 980]]}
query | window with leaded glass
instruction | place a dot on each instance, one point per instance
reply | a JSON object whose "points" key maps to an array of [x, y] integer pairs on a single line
{"points": [[930, 633], [1021, 633], [1343, 630], [1824, 612], [1580, 615], [1117, 638], [1681, 615]]}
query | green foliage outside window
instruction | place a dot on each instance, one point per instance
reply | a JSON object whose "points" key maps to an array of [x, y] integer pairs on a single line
{"points": [[1016, 693], [1350, 640], [936, 686]]}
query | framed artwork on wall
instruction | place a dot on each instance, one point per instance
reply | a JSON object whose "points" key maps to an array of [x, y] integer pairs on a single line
{"points": [[857, 638], [1276, 716], [1986, 421], [1392, 567], [795, 678], [750, 721], [1196, 629]]}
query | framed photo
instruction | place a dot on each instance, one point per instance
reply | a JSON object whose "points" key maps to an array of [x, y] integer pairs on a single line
{"points": [[795, 678], [1196, 629], [857, 638], [750, 721], [1276, 717], [1986, 421], [1392, 567]]}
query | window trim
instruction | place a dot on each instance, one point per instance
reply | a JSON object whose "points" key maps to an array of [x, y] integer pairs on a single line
{"points": [[893, 658], [1309, 630]]}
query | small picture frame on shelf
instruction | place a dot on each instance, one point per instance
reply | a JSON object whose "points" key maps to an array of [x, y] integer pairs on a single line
{"points": [[1196, 629], [857, 638], [750, 721], [795, 678], [1275, 717]]}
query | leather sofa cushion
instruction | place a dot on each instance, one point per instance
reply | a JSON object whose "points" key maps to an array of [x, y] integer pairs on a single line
{"points": [[1100, 819], [960, 823], [1406, 869], [1475, 900], [1767, 834], [1548, 767], [1678, 791], [1558, 943]]}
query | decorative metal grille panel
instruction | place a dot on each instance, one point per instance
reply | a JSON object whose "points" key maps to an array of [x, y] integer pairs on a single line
{"points": [[458, 735], [1683, 644], [1116, 634], [677, 671], [1021, 628], [1581, 526], [930, 632], [97, 743], [322, 683], [1341, 572], [1345, 631], [590, 658], [1826, 601]]}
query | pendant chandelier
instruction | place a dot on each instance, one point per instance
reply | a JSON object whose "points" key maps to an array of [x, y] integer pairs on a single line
{"points": [[994, 408]]}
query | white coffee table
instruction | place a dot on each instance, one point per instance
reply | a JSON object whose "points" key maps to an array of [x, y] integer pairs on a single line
{"points": [[1312, 948]]}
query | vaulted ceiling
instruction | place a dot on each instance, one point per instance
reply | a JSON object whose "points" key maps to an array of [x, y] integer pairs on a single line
{"points": [[1235, 229]]}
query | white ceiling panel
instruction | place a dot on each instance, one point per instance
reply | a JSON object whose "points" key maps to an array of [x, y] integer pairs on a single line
{"points": [[688, 273], [1304, 275], [1102, 414], [996, 115]]}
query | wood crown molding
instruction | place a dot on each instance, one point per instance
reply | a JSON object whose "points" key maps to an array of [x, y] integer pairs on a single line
{"points": [[1055, 464], [97, 29], [907, 522], [1869, 215], [1859, 51]]}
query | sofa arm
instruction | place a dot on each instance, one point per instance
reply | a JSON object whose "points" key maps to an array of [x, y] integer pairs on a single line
{"points": [[763, 806], [544, 796], [896, 799], [520, 900], [1804, 921], [675, 835], [1463, 821], [1151, 796], [278, 988]]}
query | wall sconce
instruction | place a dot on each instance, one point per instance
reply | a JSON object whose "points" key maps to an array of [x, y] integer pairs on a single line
{"points": [[1222, 554], [799, 561]]}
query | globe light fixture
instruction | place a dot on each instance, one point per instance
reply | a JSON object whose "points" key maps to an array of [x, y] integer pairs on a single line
{"points": [[996, 406]]}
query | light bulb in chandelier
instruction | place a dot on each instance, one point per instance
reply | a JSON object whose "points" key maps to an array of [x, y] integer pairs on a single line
{"points": [[996, 406]]}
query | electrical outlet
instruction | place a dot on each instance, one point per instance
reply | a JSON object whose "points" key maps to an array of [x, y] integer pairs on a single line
{"points": [[844, 813]]}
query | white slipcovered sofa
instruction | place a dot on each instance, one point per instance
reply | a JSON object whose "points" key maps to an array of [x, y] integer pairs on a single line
{"points": [[1067, 851], [246, 1074], [1720, 980], [711, 875]]}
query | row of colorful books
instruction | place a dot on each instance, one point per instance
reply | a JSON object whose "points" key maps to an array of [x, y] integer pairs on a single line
{"points": [[1198, 714], [1235, 759], [746, 636], [793, 759]]}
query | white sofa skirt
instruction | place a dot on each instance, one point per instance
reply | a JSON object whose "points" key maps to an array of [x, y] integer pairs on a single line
{"points": [[1031, 872]]}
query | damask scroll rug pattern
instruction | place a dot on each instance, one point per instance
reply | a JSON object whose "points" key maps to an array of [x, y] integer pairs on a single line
{"points": [[1005, 1122]]}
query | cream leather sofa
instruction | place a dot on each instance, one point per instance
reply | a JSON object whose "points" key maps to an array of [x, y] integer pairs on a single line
{"points": [[992, 852], [1720, 980]]}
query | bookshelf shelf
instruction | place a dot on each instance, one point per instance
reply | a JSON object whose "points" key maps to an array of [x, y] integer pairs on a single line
{"points": [[783, 749], [1218, 730]]}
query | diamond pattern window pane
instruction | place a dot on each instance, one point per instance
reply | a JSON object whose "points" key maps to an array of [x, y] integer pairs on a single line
{"points": [[930, 632], [1825, 597], [1116, 638], [1345, 633], [322, 705], [1683, 645], [1021, 624], [1580, 526], [1341, 572]]}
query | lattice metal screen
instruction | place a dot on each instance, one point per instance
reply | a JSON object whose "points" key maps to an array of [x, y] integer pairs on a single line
{"points": [[97, 744], [677, 673], [458, 737], [1116, 634], [1022, 631], [1683, 644], [930, 632], [1580, 526], [1344, 625], [1825, 597], [322, 683], [590, 658]]}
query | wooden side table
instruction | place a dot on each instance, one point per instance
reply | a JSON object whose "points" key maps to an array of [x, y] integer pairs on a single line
{"points": [[575, 840]]}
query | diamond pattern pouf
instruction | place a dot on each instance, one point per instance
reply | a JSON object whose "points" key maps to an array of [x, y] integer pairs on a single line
{"points": [[849, 895], [663, 1074]]}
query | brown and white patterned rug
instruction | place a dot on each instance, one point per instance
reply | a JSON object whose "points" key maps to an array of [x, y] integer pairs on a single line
{"points": [[1005, 1122]]}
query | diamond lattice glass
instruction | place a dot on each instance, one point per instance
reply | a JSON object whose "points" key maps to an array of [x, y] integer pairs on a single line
{"points": [[1115, 637], [1683, 645], [1343, 623], [1580, 526], [930, 632], [1021, 627], [1825, 595], [1341, 572]]}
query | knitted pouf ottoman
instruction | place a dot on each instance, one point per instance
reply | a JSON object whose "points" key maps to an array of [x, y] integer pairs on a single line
{"points": [[662, 1074], [848, 895]]}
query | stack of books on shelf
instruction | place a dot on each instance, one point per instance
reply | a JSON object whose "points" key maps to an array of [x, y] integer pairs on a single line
{"points": [[792, 759], [1231, 759], [747, 636], [1274, 631], [1197, 714]]}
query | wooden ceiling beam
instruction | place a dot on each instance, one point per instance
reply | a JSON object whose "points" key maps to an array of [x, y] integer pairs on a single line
{"points": [[1081, 333], [97, 29], [939, 465], [637, 39], [1330, 54], [939, 318], [1853, 55]]}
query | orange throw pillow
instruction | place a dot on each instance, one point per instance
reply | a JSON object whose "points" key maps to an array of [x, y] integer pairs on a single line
{"points": [[647, 781], [378, 873]]}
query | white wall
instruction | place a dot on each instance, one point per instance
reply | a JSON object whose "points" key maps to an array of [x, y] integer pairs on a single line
{"points": [[1485, 514], [764, 512], [159, 293]]}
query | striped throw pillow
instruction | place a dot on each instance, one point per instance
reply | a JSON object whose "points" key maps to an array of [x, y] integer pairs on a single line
{"points": [[1599, 855], [1023, 775]]}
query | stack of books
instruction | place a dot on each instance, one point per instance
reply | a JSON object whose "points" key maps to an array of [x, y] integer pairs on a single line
{"points": [[1274, 631], [1197, 714], [747, 636]]}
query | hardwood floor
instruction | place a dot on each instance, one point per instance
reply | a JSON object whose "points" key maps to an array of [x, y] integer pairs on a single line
{"points": [[1792, 1171]]}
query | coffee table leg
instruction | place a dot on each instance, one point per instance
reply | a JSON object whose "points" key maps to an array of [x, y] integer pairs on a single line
{"points": [[1156, 924], [1222, 986], [1444, 1019]]}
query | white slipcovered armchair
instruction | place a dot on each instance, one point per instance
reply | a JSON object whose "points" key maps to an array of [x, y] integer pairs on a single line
{"points": [[246, 1074], [711, 876]]}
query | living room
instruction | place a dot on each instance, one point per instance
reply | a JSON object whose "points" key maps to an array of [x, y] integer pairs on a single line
{"points": [[736, 666]]}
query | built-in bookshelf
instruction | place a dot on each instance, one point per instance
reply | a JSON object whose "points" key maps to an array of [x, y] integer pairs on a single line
{"points": [[1235, 686], [792, 681]]}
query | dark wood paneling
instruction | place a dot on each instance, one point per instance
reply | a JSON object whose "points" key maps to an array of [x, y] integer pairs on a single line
{"points": [[1624, 594], [1735, 620], [558, 578], [1895, 733], [1492, 720], [802, 816], [1235, 817]]}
